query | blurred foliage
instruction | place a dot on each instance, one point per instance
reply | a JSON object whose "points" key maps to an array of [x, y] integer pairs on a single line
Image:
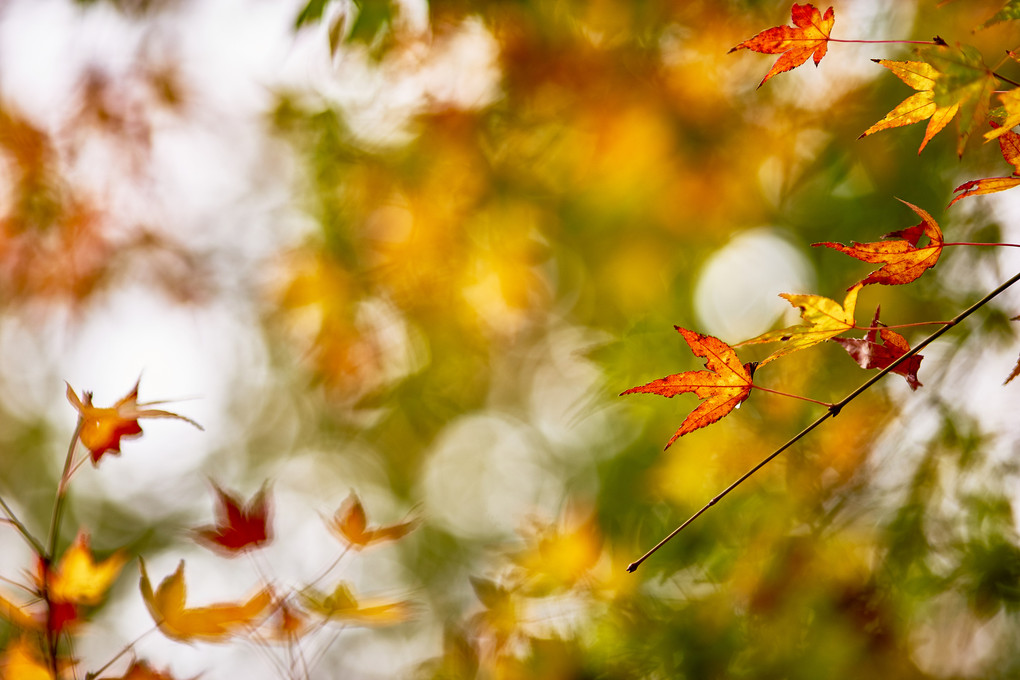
{"points": [[519, 257]]}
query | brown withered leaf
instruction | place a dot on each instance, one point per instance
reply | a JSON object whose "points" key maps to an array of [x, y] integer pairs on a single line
{"points": [[809, 36], [904, 260], [869, 353], [726, 384]]}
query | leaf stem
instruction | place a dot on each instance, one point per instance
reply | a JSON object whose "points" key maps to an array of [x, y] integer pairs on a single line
{"points": [[903, 325], [127, 648], [889, 42], [967, 243], [1005, 79], [49, 555], [792, 396], [22, 529], [833, 411]]}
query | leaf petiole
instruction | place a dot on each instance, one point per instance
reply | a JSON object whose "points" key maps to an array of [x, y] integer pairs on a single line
{"points": [[792, 396], [967, 243]]}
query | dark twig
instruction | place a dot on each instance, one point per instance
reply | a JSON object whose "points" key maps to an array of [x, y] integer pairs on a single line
{"points": [[832, 412]]}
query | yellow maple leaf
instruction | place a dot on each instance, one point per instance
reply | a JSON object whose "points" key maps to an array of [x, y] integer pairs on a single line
{"points": [[342, 605], [824, 319], [921, 76], [78, 578], [213, 623]]}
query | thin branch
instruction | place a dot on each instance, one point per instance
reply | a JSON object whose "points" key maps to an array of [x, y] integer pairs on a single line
{"points": [[22, 529], [1005, 79], [831, 413]]}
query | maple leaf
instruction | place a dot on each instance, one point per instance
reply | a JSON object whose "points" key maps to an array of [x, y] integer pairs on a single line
{"points": [[726, 384], [20, 616], [213, 623], [140, 670], [341, 605], [808, 36], [103, 428], [351, 525], [1009, 12], [557, 557], [905, 262], [239, 526], [868, 353], [1009, 144], [78, 579], [21, 662], [824, 319], [963, 80], [1009, 113], [917, 107]]}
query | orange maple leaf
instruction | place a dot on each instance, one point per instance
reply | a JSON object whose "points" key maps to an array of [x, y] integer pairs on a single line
{"points": [[905, 262], [824, 319], [725, 385], [808, 36], [1009, 144], [214, 623], [21, 661], [351, 524], [869, 353], [239, 526], [103, 428]]}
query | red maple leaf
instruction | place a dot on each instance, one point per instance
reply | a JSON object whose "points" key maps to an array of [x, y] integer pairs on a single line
{"points": [[808, 36], [238, 526], [869, 353]]}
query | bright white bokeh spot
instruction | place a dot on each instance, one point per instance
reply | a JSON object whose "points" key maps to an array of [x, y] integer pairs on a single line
{"points": [[737, 294]]}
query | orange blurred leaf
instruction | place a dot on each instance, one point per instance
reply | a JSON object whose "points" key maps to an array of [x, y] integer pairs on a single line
{"points": [[869, 353], [351, 525], [726, 383], [20, 662], [79, 579], [140, 670], [214, 623], [239, 526], [808, 36], [824, 319], [20, 616], [103, 428], [341, 605], [905, 262]]}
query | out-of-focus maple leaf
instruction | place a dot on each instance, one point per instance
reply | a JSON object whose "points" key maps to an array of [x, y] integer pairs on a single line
{"points": [[140, 670], [869, 353], [351, 525], [214, 623], [1009, 12], [808, 36], [341, 605], [239, 526], [824, 319], [21, 662], [725, 385], [1009, 144], [501, 617], [963, 80], [79, 579], [917, 107], [557, 557], [103, 428], [1008, 113], [904, 260], [19, 616], [287, 623]]}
